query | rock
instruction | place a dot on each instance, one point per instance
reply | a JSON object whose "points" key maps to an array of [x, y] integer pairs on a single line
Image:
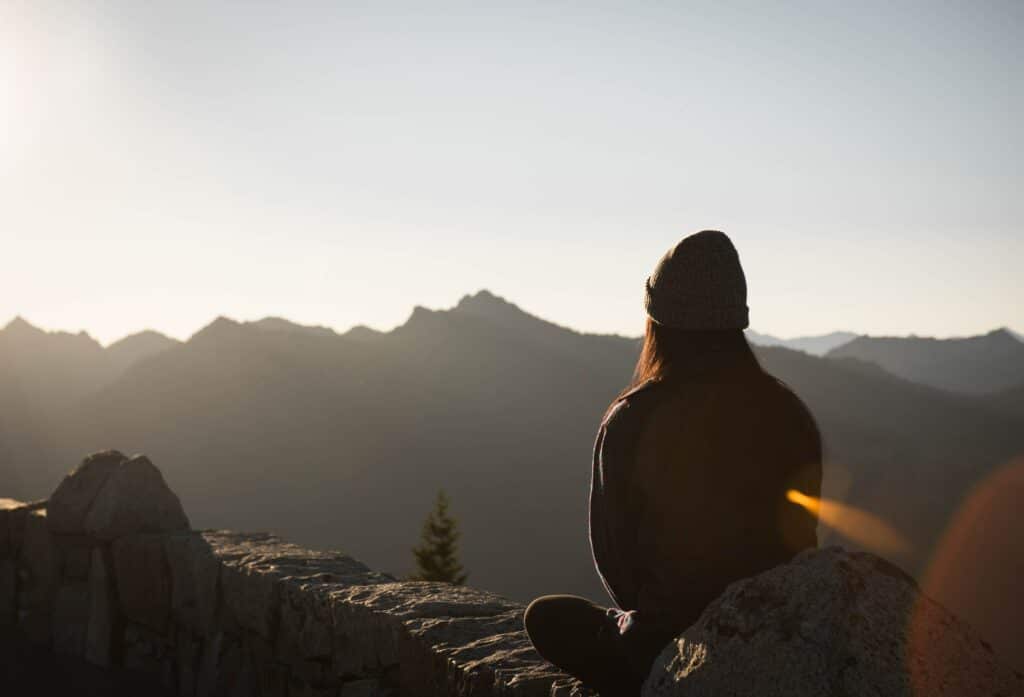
{"points": [[39, 558], [71, 619], [473, 654], [374, 628], [8, 592], [73, 554], [7, 509], [254, 566], [831, 622], [187, 648], [195, 571], [71, 500], [100, 633], [143, 583], [134, 499], [361, 688]]}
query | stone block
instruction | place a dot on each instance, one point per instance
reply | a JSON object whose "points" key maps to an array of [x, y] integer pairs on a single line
{"points": [[368, 687], [73, 554], [16, 519], [71, 500], [195, 572], [209, 664], [144, 650], [305, 631], [187, 648], [103, 619], [251, 595], [71, 619], [134, 499], [8, 592], [38, 585], [7, 508], [297, 688], [143, 580]]}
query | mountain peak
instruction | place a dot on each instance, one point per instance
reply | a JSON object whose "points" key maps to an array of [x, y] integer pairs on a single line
{"points": [[220, 327], [486, 303], [279, 324], [20, 326]]}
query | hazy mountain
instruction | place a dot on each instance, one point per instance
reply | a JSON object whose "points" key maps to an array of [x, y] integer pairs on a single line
{"points": [[1010, 401], [133, 348], [814, 345], [973, 365], [277, 324], [343, 440]]}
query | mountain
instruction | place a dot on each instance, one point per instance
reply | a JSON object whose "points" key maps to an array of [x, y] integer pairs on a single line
{"points": [[41, 374], [277, 324], [815, 345], [131, 349], [342, 440], [1009, 401], [973, 365]]}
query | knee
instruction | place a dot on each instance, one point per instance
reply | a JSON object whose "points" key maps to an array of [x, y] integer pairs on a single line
{"points": [[538, 614]]}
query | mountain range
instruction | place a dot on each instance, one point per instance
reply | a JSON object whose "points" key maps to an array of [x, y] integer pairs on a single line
{"points": [[972, 365], [342, 440], [817, 345]]}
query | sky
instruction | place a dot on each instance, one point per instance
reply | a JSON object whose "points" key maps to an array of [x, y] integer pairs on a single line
{"points": [[338, 163]]}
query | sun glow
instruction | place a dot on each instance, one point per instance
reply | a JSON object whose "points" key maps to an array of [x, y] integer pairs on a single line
{"points": [[855, 524]]}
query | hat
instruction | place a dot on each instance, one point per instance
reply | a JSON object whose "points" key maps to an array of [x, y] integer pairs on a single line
{"points": [[699, 284]]}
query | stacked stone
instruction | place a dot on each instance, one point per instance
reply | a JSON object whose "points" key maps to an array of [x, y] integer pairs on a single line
{"points": [[109, 570]]}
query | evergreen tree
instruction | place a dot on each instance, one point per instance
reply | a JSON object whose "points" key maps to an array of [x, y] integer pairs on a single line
{"points": [[437, 553]]}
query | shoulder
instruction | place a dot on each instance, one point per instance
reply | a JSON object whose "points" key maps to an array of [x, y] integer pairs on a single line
{"points": [[626, 407], [792, 410]]}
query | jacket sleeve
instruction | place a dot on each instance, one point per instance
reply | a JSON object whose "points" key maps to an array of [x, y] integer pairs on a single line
{"points": [[612, 526]]}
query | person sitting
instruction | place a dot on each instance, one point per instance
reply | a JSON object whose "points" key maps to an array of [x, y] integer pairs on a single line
{"points": [[691, 468]]}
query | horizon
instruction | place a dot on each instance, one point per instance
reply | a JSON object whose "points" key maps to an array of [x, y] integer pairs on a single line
{"points": [[158, 160], [342, 330]]}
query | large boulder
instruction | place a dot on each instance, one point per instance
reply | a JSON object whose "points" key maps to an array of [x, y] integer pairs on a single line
{"points": [[831, 622], [134, 499], [71, 500]]}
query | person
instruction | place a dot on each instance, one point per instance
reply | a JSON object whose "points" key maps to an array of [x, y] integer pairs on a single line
{"points": [[691, 469]]}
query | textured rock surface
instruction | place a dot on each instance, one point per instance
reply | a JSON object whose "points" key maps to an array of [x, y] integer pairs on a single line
{"points": [[99, 636], [142, 580], [134, 499], [218, 613], [213, 613], [830, 623], [71, 500]]}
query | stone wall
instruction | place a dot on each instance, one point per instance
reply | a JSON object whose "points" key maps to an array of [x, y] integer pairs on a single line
{"points": [[108, 570]]}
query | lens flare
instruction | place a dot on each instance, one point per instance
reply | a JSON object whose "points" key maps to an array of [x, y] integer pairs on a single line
{"points": [[856, 525]]}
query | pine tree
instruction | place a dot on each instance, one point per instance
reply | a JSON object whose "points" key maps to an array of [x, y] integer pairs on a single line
{"points": [[437, 553]]}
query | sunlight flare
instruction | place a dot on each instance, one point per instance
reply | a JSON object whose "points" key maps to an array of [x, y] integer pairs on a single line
{"points": [[857, 525]]}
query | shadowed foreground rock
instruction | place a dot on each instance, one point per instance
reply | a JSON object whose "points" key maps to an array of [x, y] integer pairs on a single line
{"points": [[108, 573], [829, 623]]}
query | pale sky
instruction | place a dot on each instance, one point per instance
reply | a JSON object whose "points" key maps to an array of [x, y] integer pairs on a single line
{"points": [[336, 163]]}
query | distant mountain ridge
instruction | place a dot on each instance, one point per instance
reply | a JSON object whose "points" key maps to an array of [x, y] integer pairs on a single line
{"points": [[973, 365], [817, 345]]}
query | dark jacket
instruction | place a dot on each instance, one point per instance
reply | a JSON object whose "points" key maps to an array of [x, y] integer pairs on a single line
{"points": [[688, 489]]}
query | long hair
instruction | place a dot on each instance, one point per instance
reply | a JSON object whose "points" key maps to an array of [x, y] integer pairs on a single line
{"points": [[669, 354]]}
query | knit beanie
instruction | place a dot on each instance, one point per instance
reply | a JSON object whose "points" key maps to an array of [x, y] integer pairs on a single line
{"points": [[699, 284]]}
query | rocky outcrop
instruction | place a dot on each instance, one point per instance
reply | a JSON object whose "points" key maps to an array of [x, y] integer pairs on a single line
{"points": [[109, 496], [831, 622], [109, 571]]}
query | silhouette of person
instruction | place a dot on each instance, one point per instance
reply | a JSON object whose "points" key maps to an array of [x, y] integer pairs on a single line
{"points": [[691, 467]]}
